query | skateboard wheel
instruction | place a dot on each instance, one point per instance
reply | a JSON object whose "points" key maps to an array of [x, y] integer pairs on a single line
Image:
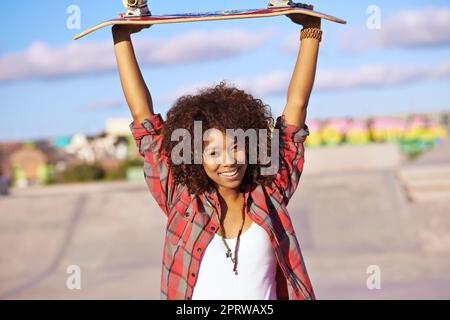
{"points": [[136, 8], [288, 4], [279, 3], [133, 4]]}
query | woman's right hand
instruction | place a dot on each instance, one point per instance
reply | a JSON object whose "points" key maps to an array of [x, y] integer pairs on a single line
{"points": [[126, 30]]}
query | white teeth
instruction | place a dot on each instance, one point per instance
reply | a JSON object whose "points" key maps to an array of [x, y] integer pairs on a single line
{"points": [[229, 174]]}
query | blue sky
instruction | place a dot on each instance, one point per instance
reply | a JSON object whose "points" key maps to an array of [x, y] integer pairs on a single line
{"points": [[52, 86]]}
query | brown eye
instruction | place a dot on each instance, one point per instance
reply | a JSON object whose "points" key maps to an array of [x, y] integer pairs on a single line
{"points": [[212, 153]]}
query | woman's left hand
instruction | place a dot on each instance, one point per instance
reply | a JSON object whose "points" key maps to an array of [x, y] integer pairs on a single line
{"points": [[305, 21]]}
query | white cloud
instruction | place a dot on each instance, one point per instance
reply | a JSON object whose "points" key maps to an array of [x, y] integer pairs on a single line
{"points": [[366, 76], [378, 75], [272, 83], [427, 27], [193, 88], [41, 61], [291, 43], [102, 105], [198, 46]]}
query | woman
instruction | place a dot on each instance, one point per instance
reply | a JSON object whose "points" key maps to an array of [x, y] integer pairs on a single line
{"points": [[229, 234]]}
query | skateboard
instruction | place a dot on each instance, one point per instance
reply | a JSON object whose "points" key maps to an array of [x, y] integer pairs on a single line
{"points": [[138, 13]]}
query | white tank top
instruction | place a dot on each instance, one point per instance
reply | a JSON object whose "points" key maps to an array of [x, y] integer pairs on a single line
{"points": [[256, 269]]}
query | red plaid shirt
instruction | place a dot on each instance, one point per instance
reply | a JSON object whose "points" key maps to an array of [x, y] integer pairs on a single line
{"points": [[191, 224]]}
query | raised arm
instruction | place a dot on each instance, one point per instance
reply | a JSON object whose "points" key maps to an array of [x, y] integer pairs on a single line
{"points": [[302, 80], [147, 126], [134, 88]]}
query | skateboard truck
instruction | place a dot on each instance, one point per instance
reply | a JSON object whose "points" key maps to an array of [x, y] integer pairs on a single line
{"points": [[136, 8], [288, 4]]}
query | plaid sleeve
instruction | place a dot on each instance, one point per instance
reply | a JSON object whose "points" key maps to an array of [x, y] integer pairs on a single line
{"points": [[156, 169], [291, 157]]}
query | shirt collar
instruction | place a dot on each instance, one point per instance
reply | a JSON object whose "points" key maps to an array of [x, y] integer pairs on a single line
{"points": [[212, 198]]}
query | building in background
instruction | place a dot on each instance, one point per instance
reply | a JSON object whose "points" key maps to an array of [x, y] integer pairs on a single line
{"points": [[30, 166], [112, 154]]}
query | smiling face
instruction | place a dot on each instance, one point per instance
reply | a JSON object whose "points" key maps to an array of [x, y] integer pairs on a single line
{"points": [[224, 163]]}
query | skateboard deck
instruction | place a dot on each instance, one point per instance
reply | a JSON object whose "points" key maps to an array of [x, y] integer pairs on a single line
{"points": [[209, 16]]}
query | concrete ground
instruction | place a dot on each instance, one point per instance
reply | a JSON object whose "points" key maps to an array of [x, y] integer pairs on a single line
{"points": [[345, 221]]}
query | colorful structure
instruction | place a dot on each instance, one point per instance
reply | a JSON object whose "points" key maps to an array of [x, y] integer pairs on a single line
{"points": [[30, 166], [414, 134]]}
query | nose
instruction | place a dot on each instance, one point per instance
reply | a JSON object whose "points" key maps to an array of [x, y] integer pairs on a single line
{"points": [[229, 157]]}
